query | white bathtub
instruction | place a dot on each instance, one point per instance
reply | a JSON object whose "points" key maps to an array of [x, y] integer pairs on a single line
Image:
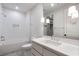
{"points": [[6, 48]]}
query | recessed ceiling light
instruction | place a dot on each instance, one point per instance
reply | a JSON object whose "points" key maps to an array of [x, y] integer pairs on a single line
{"points": [[17, 7], [52, 5]]}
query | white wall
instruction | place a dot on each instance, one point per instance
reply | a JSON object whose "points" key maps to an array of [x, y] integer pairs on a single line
{"points": [[63, 23], [0, 18], [36, 25], [72, 29], [58, 23]]}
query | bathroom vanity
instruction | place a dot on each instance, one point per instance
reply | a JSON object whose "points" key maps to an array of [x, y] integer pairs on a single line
{"points": [[39, 50], [46, 47]]}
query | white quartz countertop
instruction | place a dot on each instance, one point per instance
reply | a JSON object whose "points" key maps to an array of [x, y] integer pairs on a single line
{"points": [[65, 48]]}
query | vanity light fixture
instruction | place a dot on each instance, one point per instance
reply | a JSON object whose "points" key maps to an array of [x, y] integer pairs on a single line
{"points": [[73, 12], [75, 15], [47, 20]]}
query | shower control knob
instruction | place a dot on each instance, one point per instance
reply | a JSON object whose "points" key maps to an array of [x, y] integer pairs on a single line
{"points": [[2, 38]]}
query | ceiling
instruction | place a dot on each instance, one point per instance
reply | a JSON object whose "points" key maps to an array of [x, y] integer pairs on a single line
{"points": [[23, 7], [47, 7]]}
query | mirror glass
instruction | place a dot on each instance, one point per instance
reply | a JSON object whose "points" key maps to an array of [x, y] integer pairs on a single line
{"points": [[58, 22]]}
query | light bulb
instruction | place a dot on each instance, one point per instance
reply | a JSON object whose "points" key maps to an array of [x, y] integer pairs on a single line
{"points": [[47, 21], [17, 7], [73, 12], [52, 5], [42, 20]]}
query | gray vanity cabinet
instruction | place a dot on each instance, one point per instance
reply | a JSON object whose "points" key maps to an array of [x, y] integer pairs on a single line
{"points": [[39, 50]]}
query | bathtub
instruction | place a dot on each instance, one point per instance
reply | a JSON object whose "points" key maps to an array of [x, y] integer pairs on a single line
{"points": [[9, 48]]}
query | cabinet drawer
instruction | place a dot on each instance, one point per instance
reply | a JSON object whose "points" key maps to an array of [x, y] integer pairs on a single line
{"points": [[48, 53], [37, 47], [35, 52]]}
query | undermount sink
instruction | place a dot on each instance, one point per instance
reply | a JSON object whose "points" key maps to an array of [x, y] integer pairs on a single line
{"points": [[52, 42]]}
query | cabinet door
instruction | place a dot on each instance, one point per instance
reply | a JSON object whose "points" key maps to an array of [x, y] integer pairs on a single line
{"points": [[35, 52], [48, 53], [37, 47]]}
